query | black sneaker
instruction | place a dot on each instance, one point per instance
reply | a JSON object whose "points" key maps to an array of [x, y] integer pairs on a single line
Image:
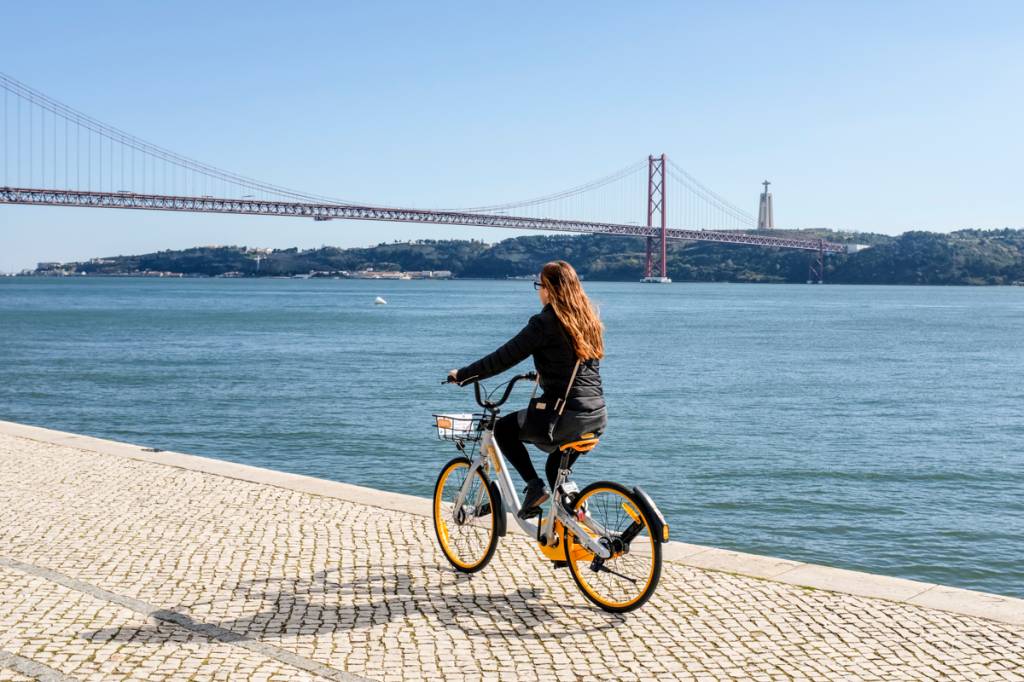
{"points": [[535, 494], [532, 512]]}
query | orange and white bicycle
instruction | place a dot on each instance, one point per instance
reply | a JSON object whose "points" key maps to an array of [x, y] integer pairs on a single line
{"points": [[608, 535]]}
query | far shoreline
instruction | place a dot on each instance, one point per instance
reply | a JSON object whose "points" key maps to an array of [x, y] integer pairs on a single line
{"points": [[182, 276]]}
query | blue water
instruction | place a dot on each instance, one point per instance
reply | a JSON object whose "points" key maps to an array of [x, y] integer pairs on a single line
{"points": [[873, 428]]}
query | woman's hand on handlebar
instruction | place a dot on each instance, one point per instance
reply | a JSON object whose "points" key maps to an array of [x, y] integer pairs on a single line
{"points": [[489, 404]]}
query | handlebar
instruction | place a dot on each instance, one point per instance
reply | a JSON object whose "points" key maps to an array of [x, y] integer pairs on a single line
{"points": [[488, 404]]}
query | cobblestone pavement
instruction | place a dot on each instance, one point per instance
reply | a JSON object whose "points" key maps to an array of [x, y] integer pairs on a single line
{"points": [[112, 568]]}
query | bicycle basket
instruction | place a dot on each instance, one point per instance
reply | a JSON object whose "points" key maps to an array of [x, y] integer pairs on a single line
{"points": [[457, 427]]}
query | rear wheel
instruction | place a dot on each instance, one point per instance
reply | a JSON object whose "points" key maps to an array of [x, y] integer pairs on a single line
{"points": [[468, 535], [614, 518]]}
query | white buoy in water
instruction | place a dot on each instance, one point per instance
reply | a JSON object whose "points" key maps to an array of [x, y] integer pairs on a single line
{"points": [[379, 301]]}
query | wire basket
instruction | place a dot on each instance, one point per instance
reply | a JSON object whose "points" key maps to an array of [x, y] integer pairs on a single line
{"points": [[458, 427]]}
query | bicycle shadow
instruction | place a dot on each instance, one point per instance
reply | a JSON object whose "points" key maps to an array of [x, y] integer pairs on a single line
{"points": [[320, 605]]}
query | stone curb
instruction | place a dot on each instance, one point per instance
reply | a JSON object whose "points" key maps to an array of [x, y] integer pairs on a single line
{"points": [[928, 595], [30, 668]]}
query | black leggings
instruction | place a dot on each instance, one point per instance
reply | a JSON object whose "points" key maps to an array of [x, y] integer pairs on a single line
{"points": [[506, 432]]}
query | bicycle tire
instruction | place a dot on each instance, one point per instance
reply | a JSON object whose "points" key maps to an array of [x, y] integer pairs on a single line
{"points": [[485, 547], [580, 560]]}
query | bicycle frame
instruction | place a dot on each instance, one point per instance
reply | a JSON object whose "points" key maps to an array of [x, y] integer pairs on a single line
{"points": [[489, 455]]}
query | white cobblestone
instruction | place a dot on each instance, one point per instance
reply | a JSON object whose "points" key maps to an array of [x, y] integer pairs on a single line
{"points": [[365, 590]]}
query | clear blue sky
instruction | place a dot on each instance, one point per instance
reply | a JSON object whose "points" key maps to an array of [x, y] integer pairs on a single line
{"points": [[880, 116]]}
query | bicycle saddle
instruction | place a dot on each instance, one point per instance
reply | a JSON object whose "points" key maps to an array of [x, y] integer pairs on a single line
{"points": [[586, 443]]}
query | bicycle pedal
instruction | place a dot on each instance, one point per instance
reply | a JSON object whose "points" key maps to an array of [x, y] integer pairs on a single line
{"points": [[526, 514]]}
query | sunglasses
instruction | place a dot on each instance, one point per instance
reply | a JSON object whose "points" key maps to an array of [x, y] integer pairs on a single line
{"points": [[538, 285]]}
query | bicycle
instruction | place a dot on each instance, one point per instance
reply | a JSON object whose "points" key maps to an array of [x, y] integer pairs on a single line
{"points": [[608, 535]]}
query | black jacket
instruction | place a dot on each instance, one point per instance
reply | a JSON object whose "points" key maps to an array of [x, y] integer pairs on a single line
{"points": [[546, 340]]}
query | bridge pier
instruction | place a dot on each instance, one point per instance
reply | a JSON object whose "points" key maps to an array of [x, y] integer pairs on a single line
{"points": [[816, 267]]}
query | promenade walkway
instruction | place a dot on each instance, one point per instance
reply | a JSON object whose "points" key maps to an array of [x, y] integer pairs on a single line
{"points": [[117, 563]]}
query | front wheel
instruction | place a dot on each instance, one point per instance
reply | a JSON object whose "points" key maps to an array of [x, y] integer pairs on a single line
{"points": [[469, 535], [614, 517]]}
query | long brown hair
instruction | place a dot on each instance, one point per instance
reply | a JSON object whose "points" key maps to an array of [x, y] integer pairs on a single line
{"points": [[574, 310]]}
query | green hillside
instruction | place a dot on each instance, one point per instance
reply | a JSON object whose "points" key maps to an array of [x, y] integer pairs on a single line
{"points": [[963, 257]]}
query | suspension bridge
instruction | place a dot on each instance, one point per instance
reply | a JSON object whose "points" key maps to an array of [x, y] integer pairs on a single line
{"points": [[54, 155]]}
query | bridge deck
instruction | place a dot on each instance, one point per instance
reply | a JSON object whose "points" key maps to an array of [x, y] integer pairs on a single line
{"points": [[189, 204]]}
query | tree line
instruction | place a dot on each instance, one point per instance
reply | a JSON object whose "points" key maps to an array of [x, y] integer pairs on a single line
{"points": [[917, 257]]}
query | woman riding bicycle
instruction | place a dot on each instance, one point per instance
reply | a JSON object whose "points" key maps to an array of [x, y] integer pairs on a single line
{"points": [[565, 340]]}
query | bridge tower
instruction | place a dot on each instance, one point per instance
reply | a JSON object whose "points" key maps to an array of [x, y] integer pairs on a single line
{"points": [[656, 205]]}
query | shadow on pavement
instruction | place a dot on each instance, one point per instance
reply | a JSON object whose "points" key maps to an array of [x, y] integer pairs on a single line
{"points": [[320, 605]]}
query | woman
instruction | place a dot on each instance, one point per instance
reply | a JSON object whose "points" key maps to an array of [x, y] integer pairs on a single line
{"points": [[567, 331]]}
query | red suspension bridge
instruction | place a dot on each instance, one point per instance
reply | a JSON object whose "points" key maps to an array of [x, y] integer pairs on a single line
{"points": [[54, 155]]}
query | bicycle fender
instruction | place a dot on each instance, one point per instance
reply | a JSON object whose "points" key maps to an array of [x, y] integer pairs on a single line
{"points": [[500, 520], [658, 526]]}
